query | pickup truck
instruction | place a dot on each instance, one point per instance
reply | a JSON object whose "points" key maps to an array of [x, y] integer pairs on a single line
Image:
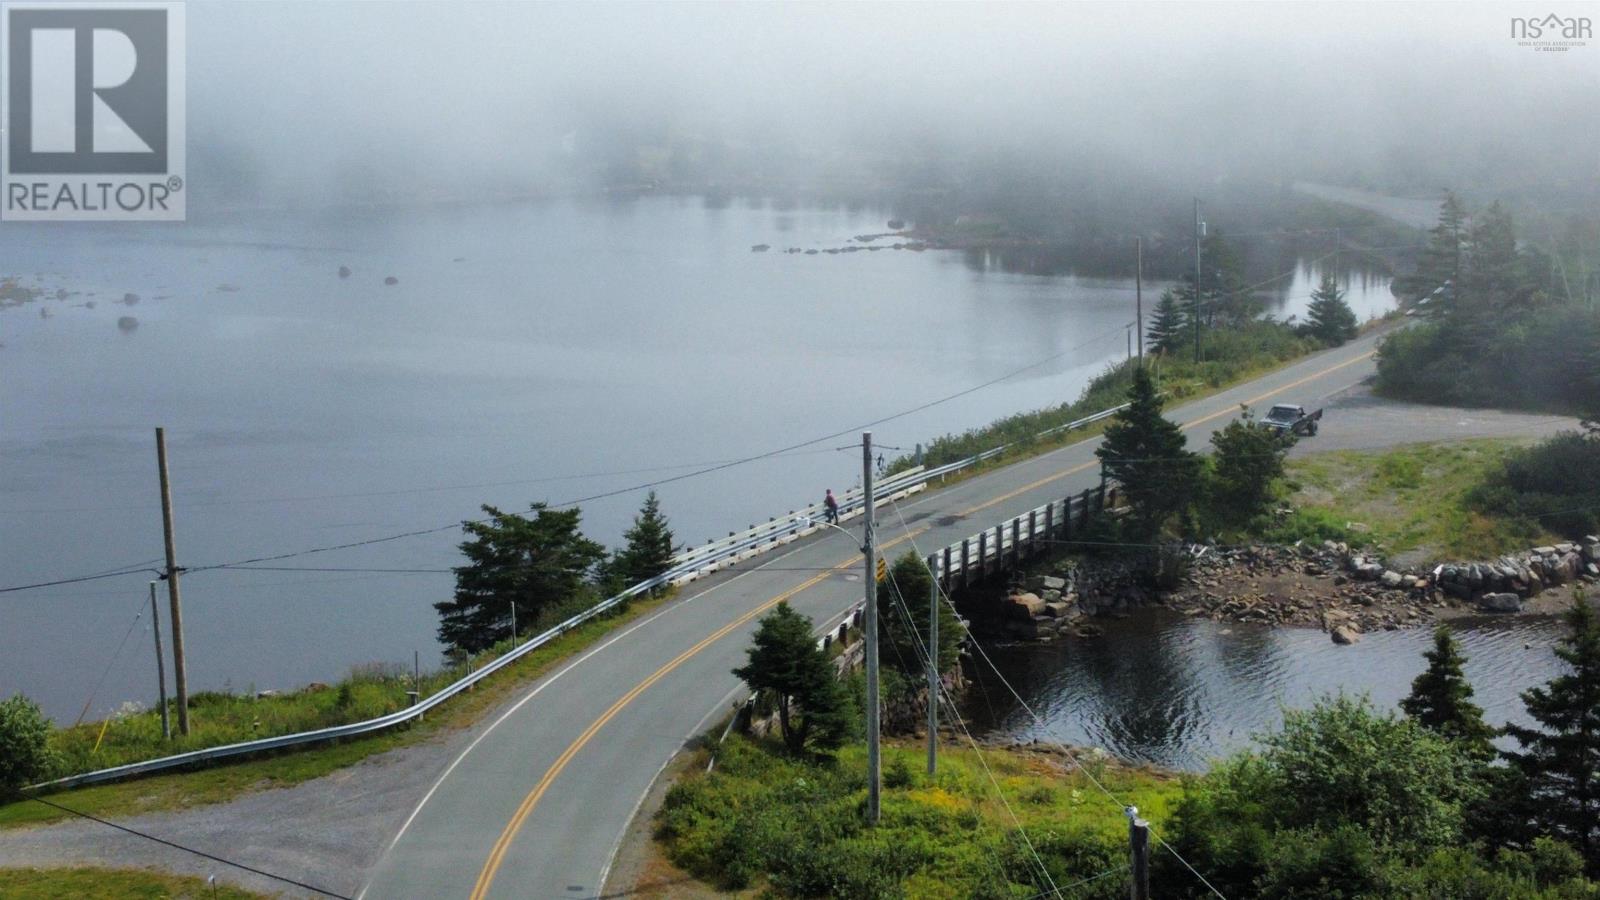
{"points": [[1287, 418]]}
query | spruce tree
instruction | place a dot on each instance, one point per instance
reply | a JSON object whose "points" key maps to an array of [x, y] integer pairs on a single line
{"points": [[1560, 759], [535, 564], [1441, 698], [1247, 463], [1169, 325], [650, 549], [784, 659], [1145, 453], [1329, 318], [1443, 261], [905, 593]]}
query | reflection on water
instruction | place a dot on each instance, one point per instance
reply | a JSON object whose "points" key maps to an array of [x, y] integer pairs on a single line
{"points": [[1178, 691]]}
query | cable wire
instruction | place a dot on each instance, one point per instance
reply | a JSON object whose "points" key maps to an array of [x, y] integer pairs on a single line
{"points": [[177, 846]]}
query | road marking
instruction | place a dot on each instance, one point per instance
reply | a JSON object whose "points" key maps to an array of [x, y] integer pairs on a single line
{"points": [[502, 845], [498, 852]]}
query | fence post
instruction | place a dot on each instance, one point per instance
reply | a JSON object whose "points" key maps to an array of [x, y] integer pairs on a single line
{"points": [[1033, 531], [1049, 520], [1066, 520], [945, 572], [966, 563], [1139, 851], [1016, 541], [1085, 520], [983, 551]]}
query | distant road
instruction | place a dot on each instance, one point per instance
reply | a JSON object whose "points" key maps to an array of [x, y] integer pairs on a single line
{"points": [[538, 802], [1421, 212]]}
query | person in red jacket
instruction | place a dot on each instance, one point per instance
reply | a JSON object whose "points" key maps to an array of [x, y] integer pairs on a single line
{"points": [[832, 506]]}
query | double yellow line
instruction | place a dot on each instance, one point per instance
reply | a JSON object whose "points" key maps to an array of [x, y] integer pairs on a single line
{"points": [[525, 808]]}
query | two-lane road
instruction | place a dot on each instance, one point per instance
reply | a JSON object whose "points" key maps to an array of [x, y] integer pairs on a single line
{"points": [[537, 803]]}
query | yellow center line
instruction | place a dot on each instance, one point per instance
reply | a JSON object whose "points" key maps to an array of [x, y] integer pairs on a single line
{"points": [[509, 833], [497, 854]]}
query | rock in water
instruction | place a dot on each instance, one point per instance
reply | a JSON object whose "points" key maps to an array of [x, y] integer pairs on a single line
{"points": [[127, 324], [391, 281], [344, 271], [1345, 634], [760, 248], [130, 299], [1500, 603]]}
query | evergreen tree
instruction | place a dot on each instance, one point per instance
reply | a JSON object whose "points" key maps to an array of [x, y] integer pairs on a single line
{"points": [[1225, 299], [1329, 318], [1145, 453], [784, 659], [1247, 462], [1495, 272], [650, 549], [1560, 758], [1443, 261], [905, 592], [533, 564], [1441, 698], [1169, 330]]}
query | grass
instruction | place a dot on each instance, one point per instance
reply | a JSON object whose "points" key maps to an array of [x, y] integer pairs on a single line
{"points": [[764, 820], [1414, 500], [223, 718], [112, 884]]}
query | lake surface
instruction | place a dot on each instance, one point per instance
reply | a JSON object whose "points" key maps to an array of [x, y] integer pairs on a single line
{"points": [[1180, 692], [529, 351]]}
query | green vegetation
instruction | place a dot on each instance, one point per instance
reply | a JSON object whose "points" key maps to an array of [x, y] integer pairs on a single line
{"points": [[1504, 327], [785, 661], [110, 884], [1344, 800], [518, 570], [224, 719], [766, 819], [1441, 698], [1419, 498], [1555, 483], [1559, 759], [648, 553], [904, 594], [1329, 318], [1244, 472], [1145, 453], [25, 754]]}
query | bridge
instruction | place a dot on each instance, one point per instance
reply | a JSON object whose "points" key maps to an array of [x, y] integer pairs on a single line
{"points": [[539, 800]]}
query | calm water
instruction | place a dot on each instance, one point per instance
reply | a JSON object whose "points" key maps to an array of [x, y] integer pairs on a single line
{"points": [[1179, 692], [530, 351]]}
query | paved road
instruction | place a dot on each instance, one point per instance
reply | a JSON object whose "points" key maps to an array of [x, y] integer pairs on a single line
{"points": [[537, 803]]}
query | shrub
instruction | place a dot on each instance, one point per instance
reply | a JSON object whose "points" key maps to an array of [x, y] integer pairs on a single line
{"points": [[25, 755]]}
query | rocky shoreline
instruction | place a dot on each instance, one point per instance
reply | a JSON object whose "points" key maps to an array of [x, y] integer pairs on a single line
{"points": [[1340, 590]]}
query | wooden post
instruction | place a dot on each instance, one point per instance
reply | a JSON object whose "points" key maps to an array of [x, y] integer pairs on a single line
{"points": [[1066, 520], [966, 564], [161, 666], [1085, 513], [1049, 520], [180, 678], [1033, 531], [1016, 541], [945, 573], [983, 552], [1139, 851]]}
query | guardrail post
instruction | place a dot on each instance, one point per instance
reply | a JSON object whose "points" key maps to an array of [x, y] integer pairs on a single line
{"points": [[966, 563], [945, 572], [1085, 520], [1066, 520], [1102, 507], [1016, 542], [1049, 520], [1033, 531], [983, 552]]}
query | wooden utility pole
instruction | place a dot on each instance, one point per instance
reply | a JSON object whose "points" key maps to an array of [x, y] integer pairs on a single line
{"points": [[1139, 850], [1138, 293], [1197, 280], [179, 676], [874, 780], [933, 672], [161, 664]]}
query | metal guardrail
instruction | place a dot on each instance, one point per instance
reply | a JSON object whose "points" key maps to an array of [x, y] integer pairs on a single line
{"points": [[688, 566]]}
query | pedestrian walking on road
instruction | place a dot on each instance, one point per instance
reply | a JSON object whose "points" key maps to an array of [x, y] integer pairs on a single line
{"points": [[832, 506]]}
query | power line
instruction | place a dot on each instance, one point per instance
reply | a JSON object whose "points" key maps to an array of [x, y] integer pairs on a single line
{"points": [[177, 846]]}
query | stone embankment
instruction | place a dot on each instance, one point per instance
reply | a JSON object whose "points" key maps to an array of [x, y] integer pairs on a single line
{"points": [[1331, 586]]}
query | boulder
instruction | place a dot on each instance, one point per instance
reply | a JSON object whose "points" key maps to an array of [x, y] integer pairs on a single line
{"points": [[1058, 610], [1051, 596], [1390, 579], [1500, 603], [1024, 606], [1345, 634], [344, 271], [1049, 583], [1368, 571]]}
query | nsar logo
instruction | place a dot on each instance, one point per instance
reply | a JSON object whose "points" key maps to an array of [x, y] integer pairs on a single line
{"points": [[93, 99], [1552, 32]]}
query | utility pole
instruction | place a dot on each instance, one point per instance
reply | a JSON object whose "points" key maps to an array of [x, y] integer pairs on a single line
{"points": [[874, 780], [1197, 280], [179, 674], [1139, 850], [161, 664], [1138, 292], [933, 673]]}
